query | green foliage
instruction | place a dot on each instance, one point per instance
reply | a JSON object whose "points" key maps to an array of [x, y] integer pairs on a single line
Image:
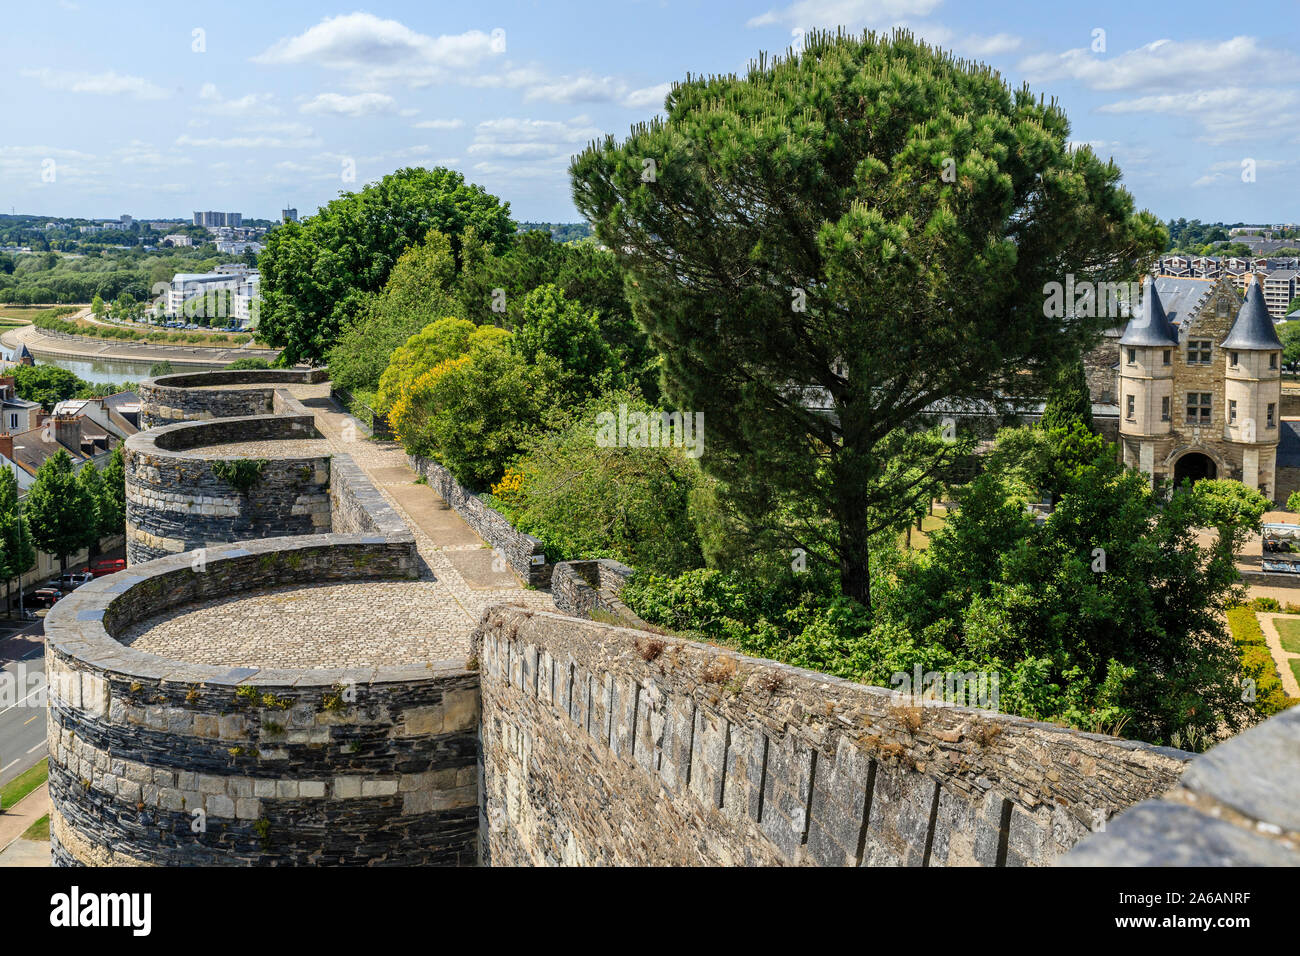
{"points": [[1231, 508], [247, 363], [61, 515], [1289, 333], [111, 505], [1068, 402], [583, 272], [47, 384], [415, 295], [551, 325], [17, 555], [318, 275], [475, 413], [587, 501], [800, 229], [438, 342], [158, 369], [240, 473], [1257, 662]]}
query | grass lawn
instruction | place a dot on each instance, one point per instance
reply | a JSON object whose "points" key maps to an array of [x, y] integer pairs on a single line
{"points": [[1288, 629], [1295, 668], [921, 539], [25, 313], [40, 830], [23, 784]]}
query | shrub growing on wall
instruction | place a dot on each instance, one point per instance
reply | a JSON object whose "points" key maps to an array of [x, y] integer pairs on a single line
{"points": [[587, 501]]}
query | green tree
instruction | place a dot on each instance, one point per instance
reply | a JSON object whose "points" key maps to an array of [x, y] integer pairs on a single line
{"points": [[47, 384], [91, 485], [17, 556], [1108, 612], [247, 363], [415, 295], [59, 511], [437, 342], [872, 220], [1294, 305], [317, 275], [586, 500], [551, 325], [1068, 401], [473, 413], [161, 368], [112, 502], [1289, 333], [97, 307]]}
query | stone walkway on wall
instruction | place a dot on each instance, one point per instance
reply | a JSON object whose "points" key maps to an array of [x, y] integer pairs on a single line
{"points": [[462, 576]]}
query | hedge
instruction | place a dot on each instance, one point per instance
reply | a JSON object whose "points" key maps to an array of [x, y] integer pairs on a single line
{"points": [[1257, 662]]}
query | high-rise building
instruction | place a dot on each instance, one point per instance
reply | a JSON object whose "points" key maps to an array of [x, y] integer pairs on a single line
{"points": [[288, 215], [210, 220]]}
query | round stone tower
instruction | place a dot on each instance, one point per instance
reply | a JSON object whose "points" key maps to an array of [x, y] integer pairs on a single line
{"points": [[1252, 389], [1146, 379]]}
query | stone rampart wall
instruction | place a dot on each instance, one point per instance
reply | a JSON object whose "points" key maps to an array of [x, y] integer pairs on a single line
{"points": [[606, 745], [522, 552], [190, 396], [162, 762]]}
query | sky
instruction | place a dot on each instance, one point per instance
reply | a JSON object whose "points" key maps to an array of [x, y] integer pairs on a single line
{"points": [[160, 109]]}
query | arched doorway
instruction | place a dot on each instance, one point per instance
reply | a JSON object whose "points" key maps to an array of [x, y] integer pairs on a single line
{"points": [[1193, 467]]}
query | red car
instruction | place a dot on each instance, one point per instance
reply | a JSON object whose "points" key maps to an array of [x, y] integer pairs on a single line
{"points": [[107, 566]]}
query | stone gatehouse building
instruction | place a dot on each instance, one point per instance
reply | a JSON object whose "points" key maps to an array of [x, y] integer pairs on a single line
{"points": [[1199, 384]]}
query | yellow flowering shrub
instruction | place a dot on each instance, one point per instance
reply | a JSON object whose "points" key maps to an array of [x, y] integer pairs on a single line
{"points": [[410, 411], [511, 484]]}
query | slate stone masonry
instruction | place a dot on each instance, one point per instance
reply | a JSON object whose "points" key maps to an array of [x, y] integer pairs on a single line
{"points": [[606, 745], [194, 396], [162, 762], [522, 552]]}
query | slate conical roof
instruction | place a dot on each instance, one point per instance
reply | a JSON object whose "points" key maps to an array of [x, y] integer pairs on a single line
{"points": [[1149, 325], [1253, 329]]}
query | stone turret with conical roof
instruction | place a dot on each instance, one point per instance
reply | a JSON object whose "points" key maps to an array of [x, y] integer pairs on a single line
{"points": [[1252, 388], [1146, 368]]}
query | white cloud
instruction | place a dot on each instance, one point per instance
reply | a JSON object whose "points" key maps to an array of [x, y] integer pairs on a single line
{"points": [[440, 124], [1162, 63], [524, 137], [1226, 114], [252, 104], [261, 136], [375, 51], [650, 96], [817, 13], [104, 84], [360, 104]]}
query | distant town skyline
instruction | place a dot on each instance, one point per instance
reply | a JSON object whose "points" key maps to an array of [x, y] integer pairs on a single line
{"points": [[258, 108]]}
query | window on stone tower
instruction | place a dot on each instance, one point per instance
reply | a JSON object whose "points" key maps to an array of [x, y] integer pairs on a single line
{"points": [[1169, 357], [1198, 352], [1232, 411], [1272, 360], [1164, 409], [1198, 408], [1132, 356], [1128, 408], [1272, 415], [1234, 359]]}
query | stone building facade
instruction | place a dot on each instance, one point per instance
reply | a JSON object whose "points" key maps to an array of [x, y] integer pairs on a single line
{"points": [[1199, 384]]}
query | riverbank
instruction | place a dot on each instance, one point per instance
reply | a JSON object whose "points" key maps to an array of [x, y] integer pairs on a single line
{"points": [[53, 348]]}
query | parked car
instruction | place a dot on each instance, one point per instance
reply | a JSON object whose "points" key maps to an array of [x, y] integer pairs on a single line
{"points": [[106, 566], [70, 581], [45, 597]]}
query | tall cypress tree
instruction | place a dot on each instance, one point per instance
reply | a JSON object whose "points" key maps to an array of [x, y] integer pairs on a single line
{"points": [[1068, 401]]}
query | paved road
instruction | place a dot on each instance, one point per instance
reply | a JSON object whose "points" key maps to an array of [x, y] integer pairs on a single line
{"points": [[22, 701], [44, 346]]}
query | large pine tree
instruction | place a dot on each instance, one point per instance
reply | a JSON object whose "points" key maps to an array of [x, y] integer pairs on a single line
{"points": [[870, 219]]}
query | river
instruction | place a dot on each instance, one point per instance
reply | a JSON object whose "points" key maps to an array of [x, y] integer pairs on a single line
{"points": [[108, 370]]}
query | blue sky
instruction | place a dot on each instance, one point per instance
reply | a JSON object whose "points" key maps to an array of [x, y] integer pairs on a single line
{"points": [[158, 109]]}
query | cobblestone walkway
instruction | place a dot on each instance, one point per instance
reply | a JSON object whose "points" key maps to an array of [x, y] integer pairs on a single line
{"points": [[335, 625]]}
